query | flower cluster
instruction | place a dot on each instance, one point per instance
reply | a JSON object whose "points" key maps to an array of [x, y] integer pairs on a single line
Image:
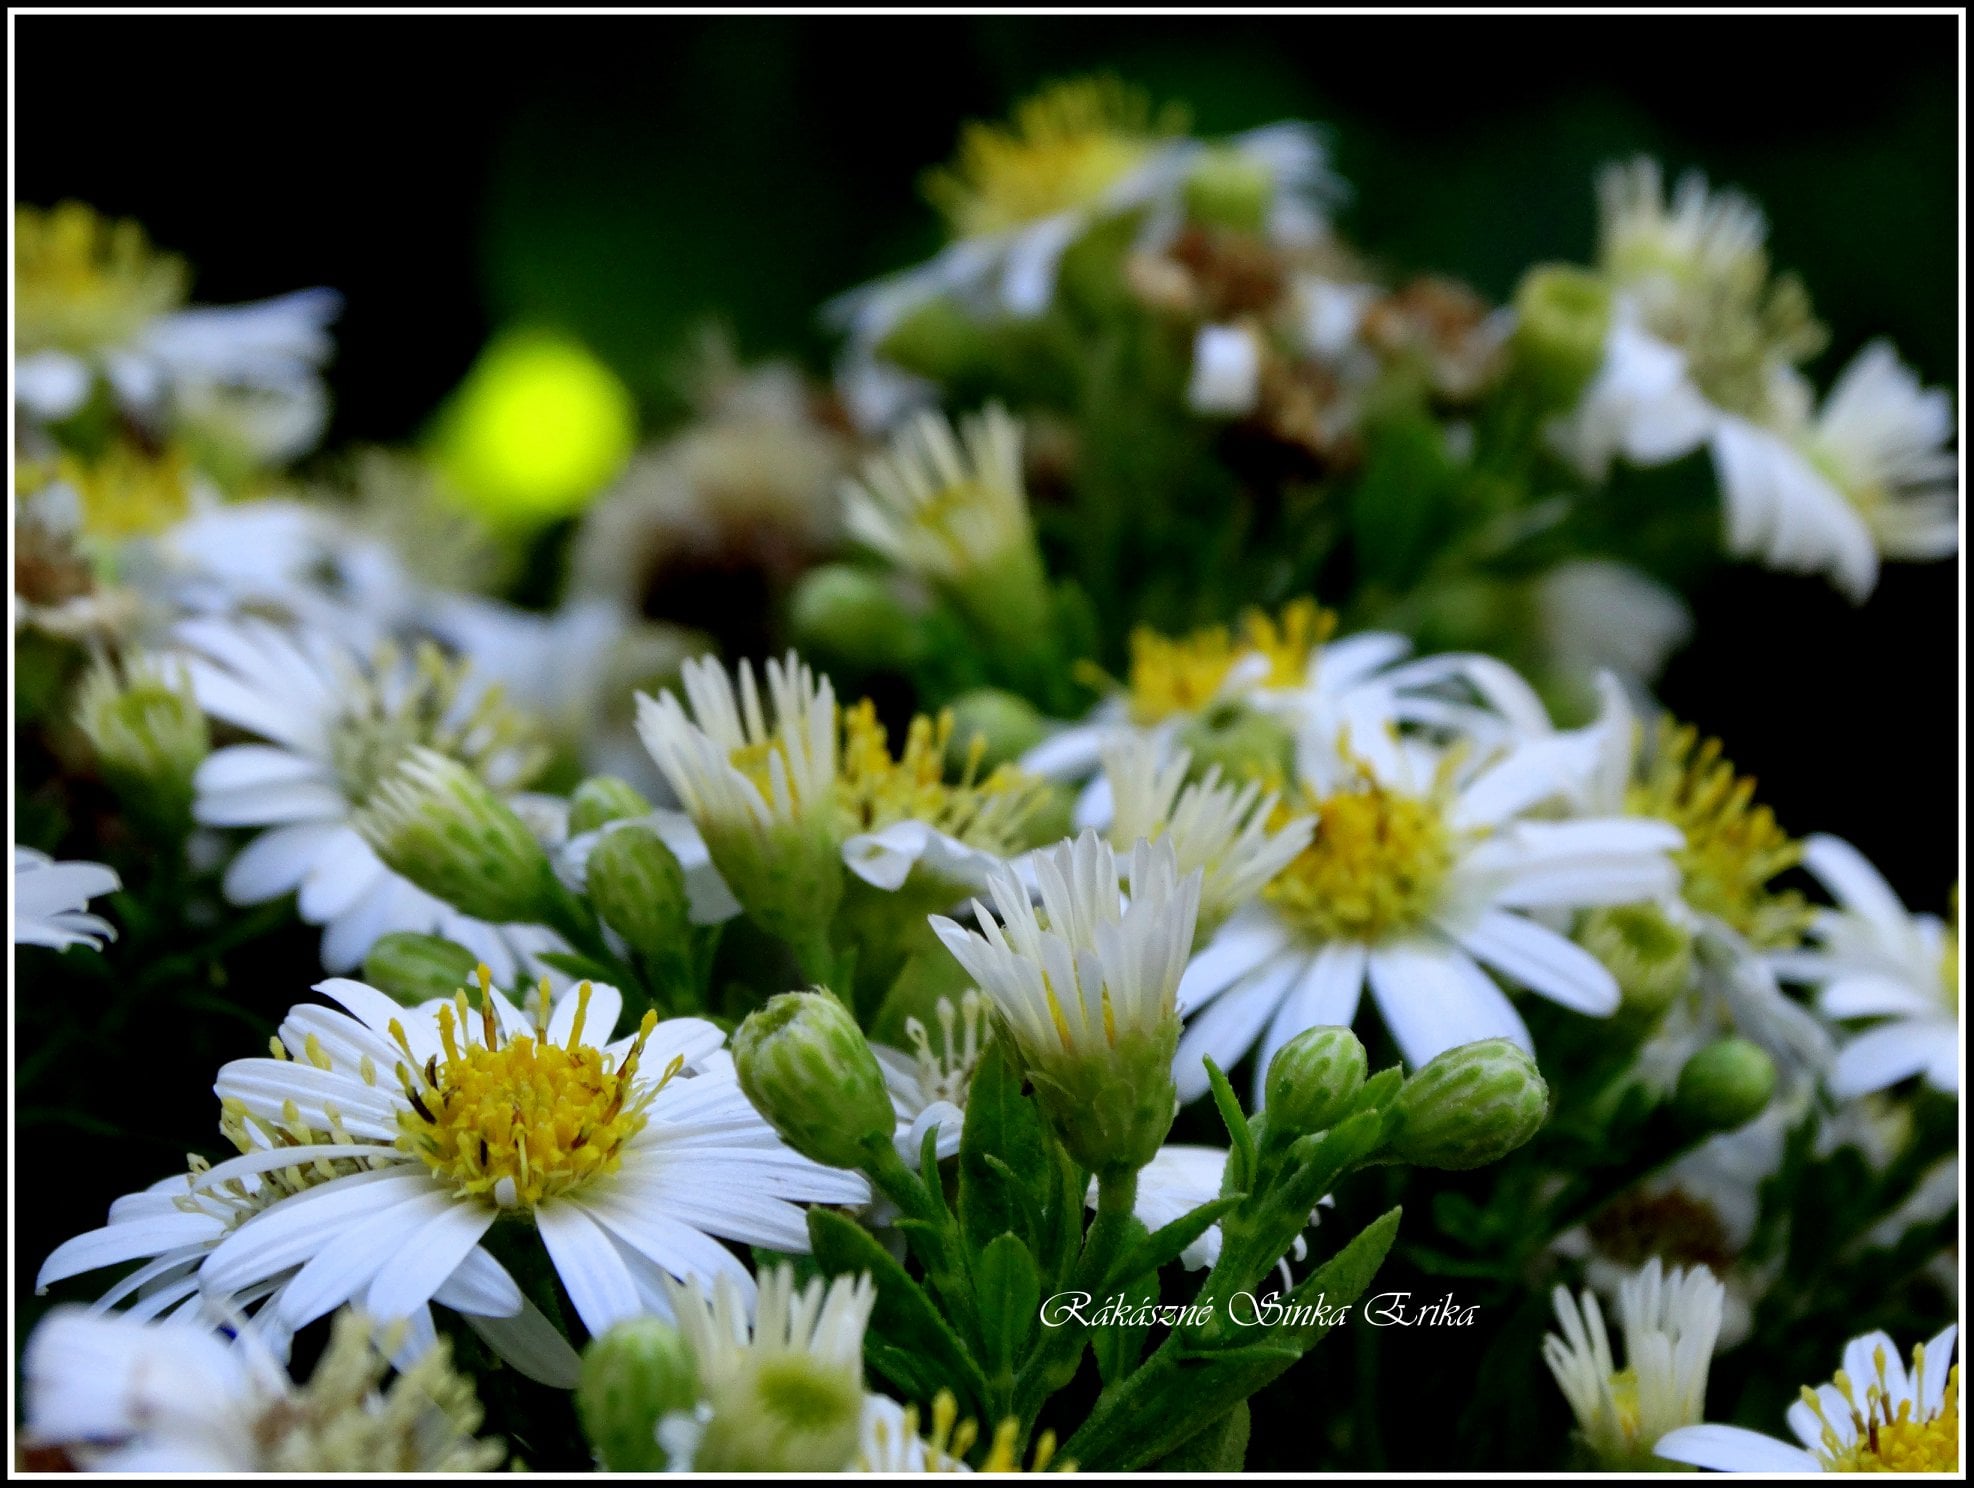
{"points": [[755, 1013]]}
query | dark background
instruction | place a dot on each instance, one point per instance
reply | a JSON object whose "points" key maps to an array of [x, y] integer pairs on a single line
{"points": [[627, 178]]}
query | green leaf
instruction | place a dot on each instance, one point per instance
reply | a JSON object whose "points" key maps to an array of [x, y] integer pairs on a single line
{"points": [[909, 1342], [1235, 1120], [1119, 1345], [1220, 1448], [1001, 1123], [1164, 1244], [1009, 1291], [1400, 503], [1341, 1280]]}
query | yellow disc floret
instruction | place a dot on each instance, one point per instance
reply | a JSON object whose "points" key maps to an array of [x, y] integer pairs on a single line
{"points": [[516, 1120], [1065, 148], [128, 491], [1177, 676], [83, 282], [1733, 847], [1375, 866], [874, 790], [1890, 1435]]}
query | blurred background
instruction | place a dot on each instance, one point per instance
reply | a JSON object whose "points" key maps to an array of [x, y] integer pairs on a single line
{"points": [[626, 180]]}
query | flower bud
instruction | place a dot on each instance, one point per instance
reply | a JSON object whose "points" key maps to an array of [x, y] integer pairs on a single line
{"points": [[149, 734], [1008, 725], [1314, 1079], [415, 968], [1229, 189], [1651, 957], [1724, 1085], [851, 613], [1562, 317], [633, 1376], [938, 340], [438, 824], [1470, 1106], [638, 887], [807, 1068], [1244, 743], [602, 799]]}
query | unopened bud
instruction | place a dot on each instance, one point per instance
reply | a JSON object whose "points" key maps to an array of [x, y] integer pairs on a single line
{"points": [[808, 1069], [938, 340], [1314, 1079], [602, 799], [1008, 727], [414, 968], [850, 613], [633, 1376], [1724, 1085], [1470, 1106], [1229, 189], [1562, 317], [438, 824], [637, 886], [1650, 956], [1244, 743]]}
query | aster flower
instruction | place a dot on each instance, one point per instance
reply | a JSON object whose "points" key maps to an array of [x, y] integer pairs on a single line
{"points": [[1874, 959], [51, 901], [1425, 866], [892, 1443], [1671, 1320], [94, 299], [929, 1083], [1237, 838], [625, 1159], [336, 728], [115, 1394], [786, 1393], [1077, 154], [1874, 1416]]}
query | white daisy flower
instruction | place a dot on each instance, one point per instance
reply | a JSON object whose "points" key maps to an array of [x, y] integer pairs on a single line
{"points": [[1237, 838], [336, 728], [1078, 153], [1595, 615], [626, 1166], [51, 901], [929, 1084], [115, 1394], [1874, 959], [93, 299], [1226, 376], [1874, 1416], [1425, 867], [1671, 1320], [786, 1392]]}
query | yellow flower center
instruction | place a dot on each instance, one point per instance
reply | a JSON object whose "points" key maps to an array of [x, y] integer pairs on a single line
{"points": [[1066, 146], [1178, 676], [1374, 868], [128, 492], [520, 1120], [1733, 847], [874, 790], [950, 1438], [1888, 1436], [83, 282]]}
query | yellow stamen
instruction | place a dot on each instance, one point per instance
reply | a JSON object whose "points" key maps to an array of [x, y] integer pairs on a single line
{"points": [[1177, 676], [84, 282], [128, 491], [1888, 1437]]}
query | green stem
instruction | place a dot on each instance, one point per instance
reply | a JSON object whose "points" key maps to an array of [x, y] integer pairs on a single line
{"points": [[1060, 1352]]}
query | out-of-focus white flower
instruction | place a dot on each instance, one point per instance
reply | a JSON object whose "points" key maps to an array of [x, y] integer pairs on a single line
{"points": [[1597, 615], [51, 901], [93, 299], [1874, 1416], [116, 1394], [1226, 377], [1876, 960]]}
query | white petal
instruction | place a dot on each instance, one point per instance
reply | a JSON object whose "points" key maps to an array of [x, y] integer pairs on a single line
{"points": [[1732, 1449]]}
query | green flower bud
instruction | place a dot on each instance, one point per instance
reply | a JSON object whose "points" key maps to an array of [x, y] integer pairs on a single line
{"points": [[1314, 1079], [633, 1376], [416, 968], [602, 799], [1227, 189], [438, 824], [1010, 727], [1562, 317], [938, 340], [149, 734], [805, 1065], [1245, 744], [1651, 957], [638, 887], [851, 613], [1470, 1106], [1724, 1085]]}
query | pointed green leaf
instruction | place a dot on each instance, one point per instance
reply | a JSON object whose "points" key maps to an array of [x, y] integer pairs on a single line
{"points": [[1009, 1291], [1000, 1122]]}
